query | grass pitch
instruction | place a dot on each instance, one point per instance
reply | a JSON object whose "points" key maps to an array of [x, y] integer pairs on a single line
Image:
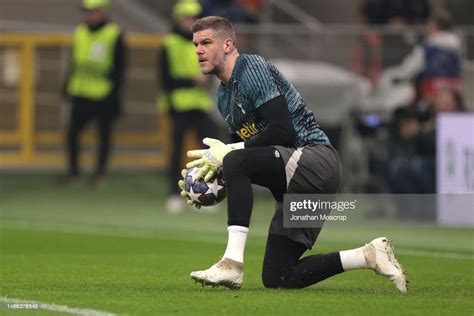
{"points": [[115, 249]]}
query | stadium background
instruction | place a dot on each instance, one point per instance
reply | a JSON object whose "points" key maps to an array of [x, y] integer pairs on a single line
{"points": [[115, 248]]}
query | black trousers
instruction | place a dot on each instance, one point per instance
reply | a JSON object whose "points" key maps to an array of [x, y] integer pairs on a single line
{"points": [[182, 122], [283, 266], [82, 113]]}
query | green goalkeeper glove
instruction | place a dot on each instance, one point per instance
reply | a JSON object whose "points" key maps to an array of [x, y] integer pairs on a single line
{"points": [[210, 160], [183, 192]]}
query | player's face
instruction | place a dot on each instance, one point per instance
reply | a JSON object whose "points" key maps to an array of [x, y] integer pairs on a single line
{"points": [[210, 49]]}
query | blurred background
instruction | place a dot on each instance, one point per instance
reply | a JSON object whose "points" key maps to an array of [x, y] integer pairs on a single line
{"points": [[349, 60]]}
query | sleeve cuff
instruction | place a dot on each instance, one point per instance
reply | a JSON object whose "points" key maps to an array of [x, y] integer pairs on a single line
{"points": [[235, 146]]}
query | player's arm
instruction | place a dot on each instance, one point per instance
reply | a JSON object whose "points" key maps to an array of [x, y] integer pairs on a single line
{"points": [[261, 88], [235, 138], [280, 129], [280, 132]]}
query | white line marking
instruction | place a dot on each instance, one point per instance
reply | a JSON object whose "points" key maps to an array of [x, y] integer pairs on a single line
{"points": [[57, 308], [436, 254]]}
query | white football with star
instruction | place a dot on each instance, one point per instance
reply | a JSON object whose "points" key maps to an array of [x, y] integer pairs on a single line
{"points": [[204, 193]]}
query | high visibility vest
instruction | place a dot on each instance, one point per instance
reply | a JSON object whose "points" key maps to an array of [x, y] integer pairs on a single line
{"points": [[183, 64], [93, 55]]}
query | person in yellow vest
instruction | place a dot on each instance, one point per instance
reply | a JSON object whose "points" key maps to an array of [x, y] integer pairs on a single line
{"points": [[94, 83], [184, 92]]}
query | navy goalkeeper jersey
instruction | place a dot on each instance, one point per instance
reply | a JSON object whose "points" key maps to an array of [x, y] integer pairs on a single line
{"points": [[255, 81]]}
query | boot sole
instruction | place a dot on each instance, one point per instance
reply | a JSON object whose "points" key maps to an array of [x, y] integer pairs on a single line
{"points": [[228, 284]]}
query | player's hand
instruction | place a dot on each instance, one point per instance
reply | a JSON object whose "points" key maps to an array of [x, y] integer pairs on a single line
{"points": [[210, 160], [183, 192]]}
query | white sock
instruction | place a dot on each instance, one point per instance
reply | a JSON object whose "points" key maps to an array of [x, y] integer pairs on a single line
{"points": [[353, 259], [236, 243]]}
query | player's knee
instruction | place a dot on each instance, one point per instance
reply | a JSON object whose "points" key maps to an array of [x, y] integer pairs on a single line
{"points": [[275, 279], [234, 162], [269, 280], [279, 279]]}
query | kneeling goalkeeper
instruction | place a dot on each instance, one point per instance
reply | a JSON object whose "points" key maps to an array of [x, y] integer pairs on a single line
{"points": [[281, 148]]}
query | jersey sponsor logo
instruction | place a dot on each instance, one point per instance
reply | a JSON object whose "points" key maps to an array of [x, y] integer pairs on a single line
{"points": [[248, 130]]}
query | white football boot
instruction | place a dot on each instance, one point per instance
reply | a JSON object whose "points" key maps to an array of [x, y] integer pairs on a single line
{"points": [[380, 258], [226, 272]]}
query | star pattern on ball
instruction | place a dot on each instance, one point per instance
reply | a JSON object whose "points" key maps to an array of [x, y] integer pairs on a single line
{"points": [[214, 187], [193, 196]]}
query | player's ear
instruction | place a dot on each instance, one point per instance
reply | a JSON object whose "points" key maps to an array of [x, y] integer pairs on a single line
{"points": [[228, 45]]}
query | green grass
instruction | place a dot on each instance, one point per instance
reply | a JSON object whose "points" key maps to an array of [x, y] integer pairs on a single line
{"points": [[115, 249]]}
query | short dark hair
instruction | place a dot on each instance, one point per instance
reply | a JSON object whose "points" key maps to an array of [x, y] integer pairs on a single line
{"points": [[442, 19], [216, 23]]}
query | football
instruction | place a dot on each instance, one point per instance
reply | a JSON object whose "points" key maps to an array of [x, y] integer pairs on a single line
{"points": [[204, 193]]}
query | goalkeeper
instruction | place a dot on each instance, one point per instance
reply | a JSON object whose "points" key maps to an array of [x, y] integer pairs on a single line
{"points": [[279, 146]]}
